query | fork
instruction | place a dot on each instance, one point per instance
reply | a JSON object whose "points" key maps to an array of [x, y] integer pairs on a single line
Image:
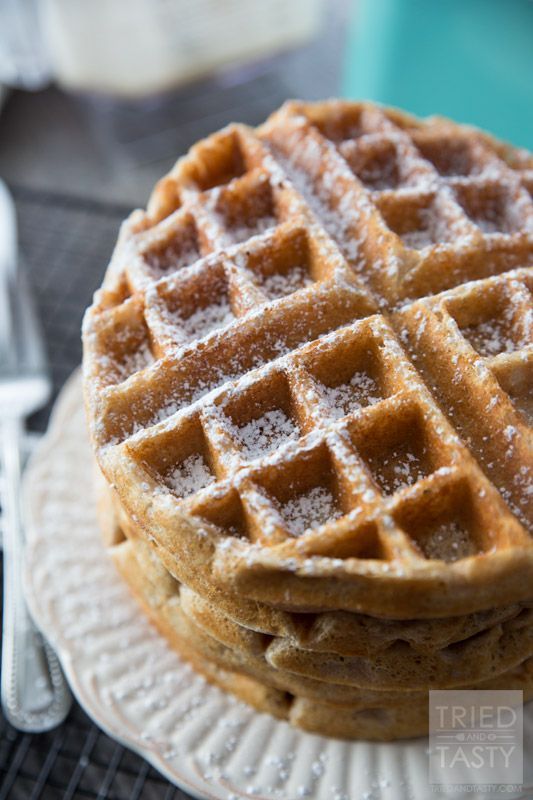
{"points": [[35, 696]]}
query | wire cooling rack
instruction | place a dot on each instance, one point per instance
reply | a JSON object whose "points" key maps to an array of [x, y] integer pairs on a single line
{"points": [[65, 245]]}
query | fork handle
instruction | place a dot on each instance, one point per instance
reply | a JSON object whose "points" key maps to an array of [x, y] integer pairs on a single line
{"points": [[35, 696]]}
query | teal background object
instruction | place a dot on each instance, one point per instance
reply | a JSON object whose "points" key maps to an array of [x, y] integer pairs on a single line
{"points": [[471, 60]]}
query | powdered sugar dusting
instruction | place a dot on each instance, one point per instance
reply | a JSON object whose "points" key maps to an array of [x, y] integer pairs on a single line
{"points": [[417, 239], [431, 230], [488, 225], [376, 164], [490, 214], [280, 284], [133, 361], [205, 320], [267, 433], [490, 337], [181, 252], [309, 510], [338, 222], [448, 542], [379, 175], [361, 390], [255, 227], [190, 476], [402, 467], [522, 401], [451, 158]]}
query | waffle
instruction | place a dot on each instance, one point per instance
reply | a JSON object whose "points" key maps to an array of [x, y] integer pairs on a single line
{"points": [[476, 342], [396, 665], [308, 384], [339, 632], [247, 386], [328, 709]]}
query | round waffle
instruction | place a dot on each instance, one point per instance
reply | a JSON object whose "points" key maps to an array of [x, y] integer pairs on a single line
{"points": [[339, 632], [325, 708], [307, 372], [395, 666]]}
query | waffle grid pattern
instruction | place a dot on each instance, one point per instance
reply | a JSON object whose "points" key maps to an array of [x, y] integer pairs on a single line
{"points": [[253, 307], [416, 207], [490, 328]]}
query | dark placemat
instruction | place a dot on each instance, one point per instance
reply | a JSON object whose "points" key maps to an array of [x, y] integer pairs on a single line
{"points": [[66, 244]]}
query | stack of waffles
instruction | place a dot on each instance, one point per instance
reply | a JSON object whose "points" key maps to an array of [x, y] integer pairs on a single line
{"points": [[308, 377]]}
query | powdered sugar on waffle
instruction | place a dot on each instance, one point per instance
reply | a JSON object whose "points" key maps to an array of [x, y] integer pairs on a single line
{"points": [[256, 227], [361, 390], [398, 471], [432, 230], [133, 362], [449, 541], [280, 284], [334, 222], [489, 338], [336, 203], [172, 259], [190, 476], [309, 510], [205, 320], [267, 433]]}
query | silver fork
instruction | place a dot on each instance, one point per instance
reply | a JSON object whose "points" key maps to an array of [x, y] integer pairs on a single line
{"points": [[35, 696]]}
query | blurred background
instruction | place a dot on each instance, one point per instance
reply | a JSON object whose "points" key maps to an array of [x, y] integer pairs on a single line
{"points": [[97, 100], [471, 60], [122, 87], [119, 88]]}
